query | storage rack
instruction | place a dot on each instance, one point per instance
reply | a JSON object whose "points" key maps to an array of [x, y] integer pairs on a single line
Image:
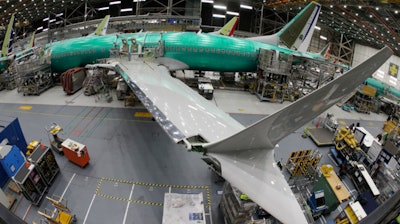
{"points": [[45, 162], [31, 183]]}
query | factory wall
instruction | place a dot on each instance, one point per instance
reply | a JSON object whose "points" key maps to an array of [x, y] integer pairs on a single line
{"points": [[362, 52]]}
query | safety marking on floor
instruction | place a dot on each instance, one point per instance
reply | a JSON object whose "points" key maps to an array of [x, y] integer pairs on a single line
{"points": [[99, 185], [342, 122], [143, 114], [102, 179], [241, 110], [132, 201], [25, 107]]}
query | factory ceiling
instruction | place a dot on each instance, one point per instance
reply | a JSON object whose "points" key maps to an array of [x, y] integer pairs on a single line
{"points": [[372, 23]]}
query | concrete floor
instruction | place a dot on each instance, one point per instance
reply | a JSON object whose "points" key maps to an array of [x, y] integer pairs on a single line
{"points": [[133, 162]]}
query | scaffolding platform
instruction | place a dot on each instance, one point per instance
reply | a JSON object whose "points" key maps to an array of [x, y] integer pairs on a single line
{"points": [[321, 136]]}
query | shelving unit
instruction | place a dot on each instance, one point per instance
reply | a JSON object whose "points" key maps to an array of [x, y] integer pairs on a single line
{"points": [[363, 102], [46, 163], [31, 183]]}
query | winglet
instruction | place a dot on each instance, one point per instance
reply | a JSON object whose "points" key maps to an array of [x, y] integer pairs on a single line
{"points": [[229, 28], [7, 43], [298, 32], [102, 28]]}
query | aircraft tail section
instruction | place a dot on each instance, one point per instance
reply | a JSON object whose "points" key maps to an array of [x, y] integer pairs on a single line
{"points": [[32, 41], [298, 32], [7, 43], [102, 28], [326, 51], [229, 28]]}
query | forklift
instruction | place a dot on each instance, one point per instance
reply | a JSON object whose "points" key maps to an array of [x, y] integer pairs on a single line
{"points": [[54, 129]]}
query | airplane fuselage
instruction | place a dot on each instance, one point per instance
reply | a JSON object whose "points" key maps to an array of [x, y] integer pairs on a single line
{"points": [[205, 52]]}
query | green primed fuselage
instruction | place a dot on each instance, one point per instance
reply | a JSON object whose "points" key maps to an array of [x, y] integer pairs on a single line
{"points": [[206, 52]]}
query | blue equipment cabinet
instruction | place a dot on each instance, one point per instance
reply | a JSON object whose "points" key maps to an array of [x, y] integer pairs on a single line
{"points": [[11, 130], [317, 202], [11, 159]]}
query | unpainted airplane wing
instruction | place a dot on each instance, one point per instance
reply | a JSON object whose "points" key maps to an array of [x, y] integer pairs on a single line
{"points": [[255, 173], [247, 158], [181, 111], [269, 131]]}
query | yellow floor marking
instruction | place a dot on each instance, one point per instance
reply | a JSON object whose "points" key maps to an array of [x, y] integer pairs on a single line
{"points": [[143, 114], [241, 110], [25, 107], [102, 179], [342, 122]]}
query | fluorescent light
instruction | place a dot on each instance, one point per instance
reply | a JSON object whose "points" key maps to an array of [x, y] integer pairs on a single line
{"points": [[126, 10], [45, 29], [59, 14], [52, 20], [207, 1], [115, 2], [40, 28], [232, 13], [103, 8], [220, 7], [245, 6], [323, 37], [218, 16], [45, 19], [139, 0], [317, 28]]}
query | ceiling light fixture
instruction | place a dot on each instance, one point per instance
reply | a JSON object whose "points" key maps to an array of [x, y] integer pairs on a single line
{"points": [[218, 16], [103, 8], [115, 2], [126, 10], [232, 13], [220, 7], [246, 7]]}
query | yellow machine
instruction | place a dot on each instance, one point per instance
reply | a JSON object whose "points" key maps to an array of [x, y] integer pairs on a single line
{"points": [[54, 129], [326, 170], [32, 147], [345, 139], [60, 214]]}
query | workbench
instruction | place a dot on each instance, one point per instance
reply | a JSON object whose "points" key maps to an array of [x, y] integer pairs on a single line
{"points": [[342, 194], [333, 196], [75, 152]]}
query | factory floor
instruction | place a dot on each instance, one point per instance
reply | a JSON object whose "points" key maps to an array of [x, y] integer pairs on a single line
{"points": [[132, 161]]}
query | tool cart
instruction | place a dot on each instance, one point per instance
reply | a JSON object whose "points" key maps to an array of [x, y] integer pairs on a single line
{"points": [[31, 183], [46, 163]]}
